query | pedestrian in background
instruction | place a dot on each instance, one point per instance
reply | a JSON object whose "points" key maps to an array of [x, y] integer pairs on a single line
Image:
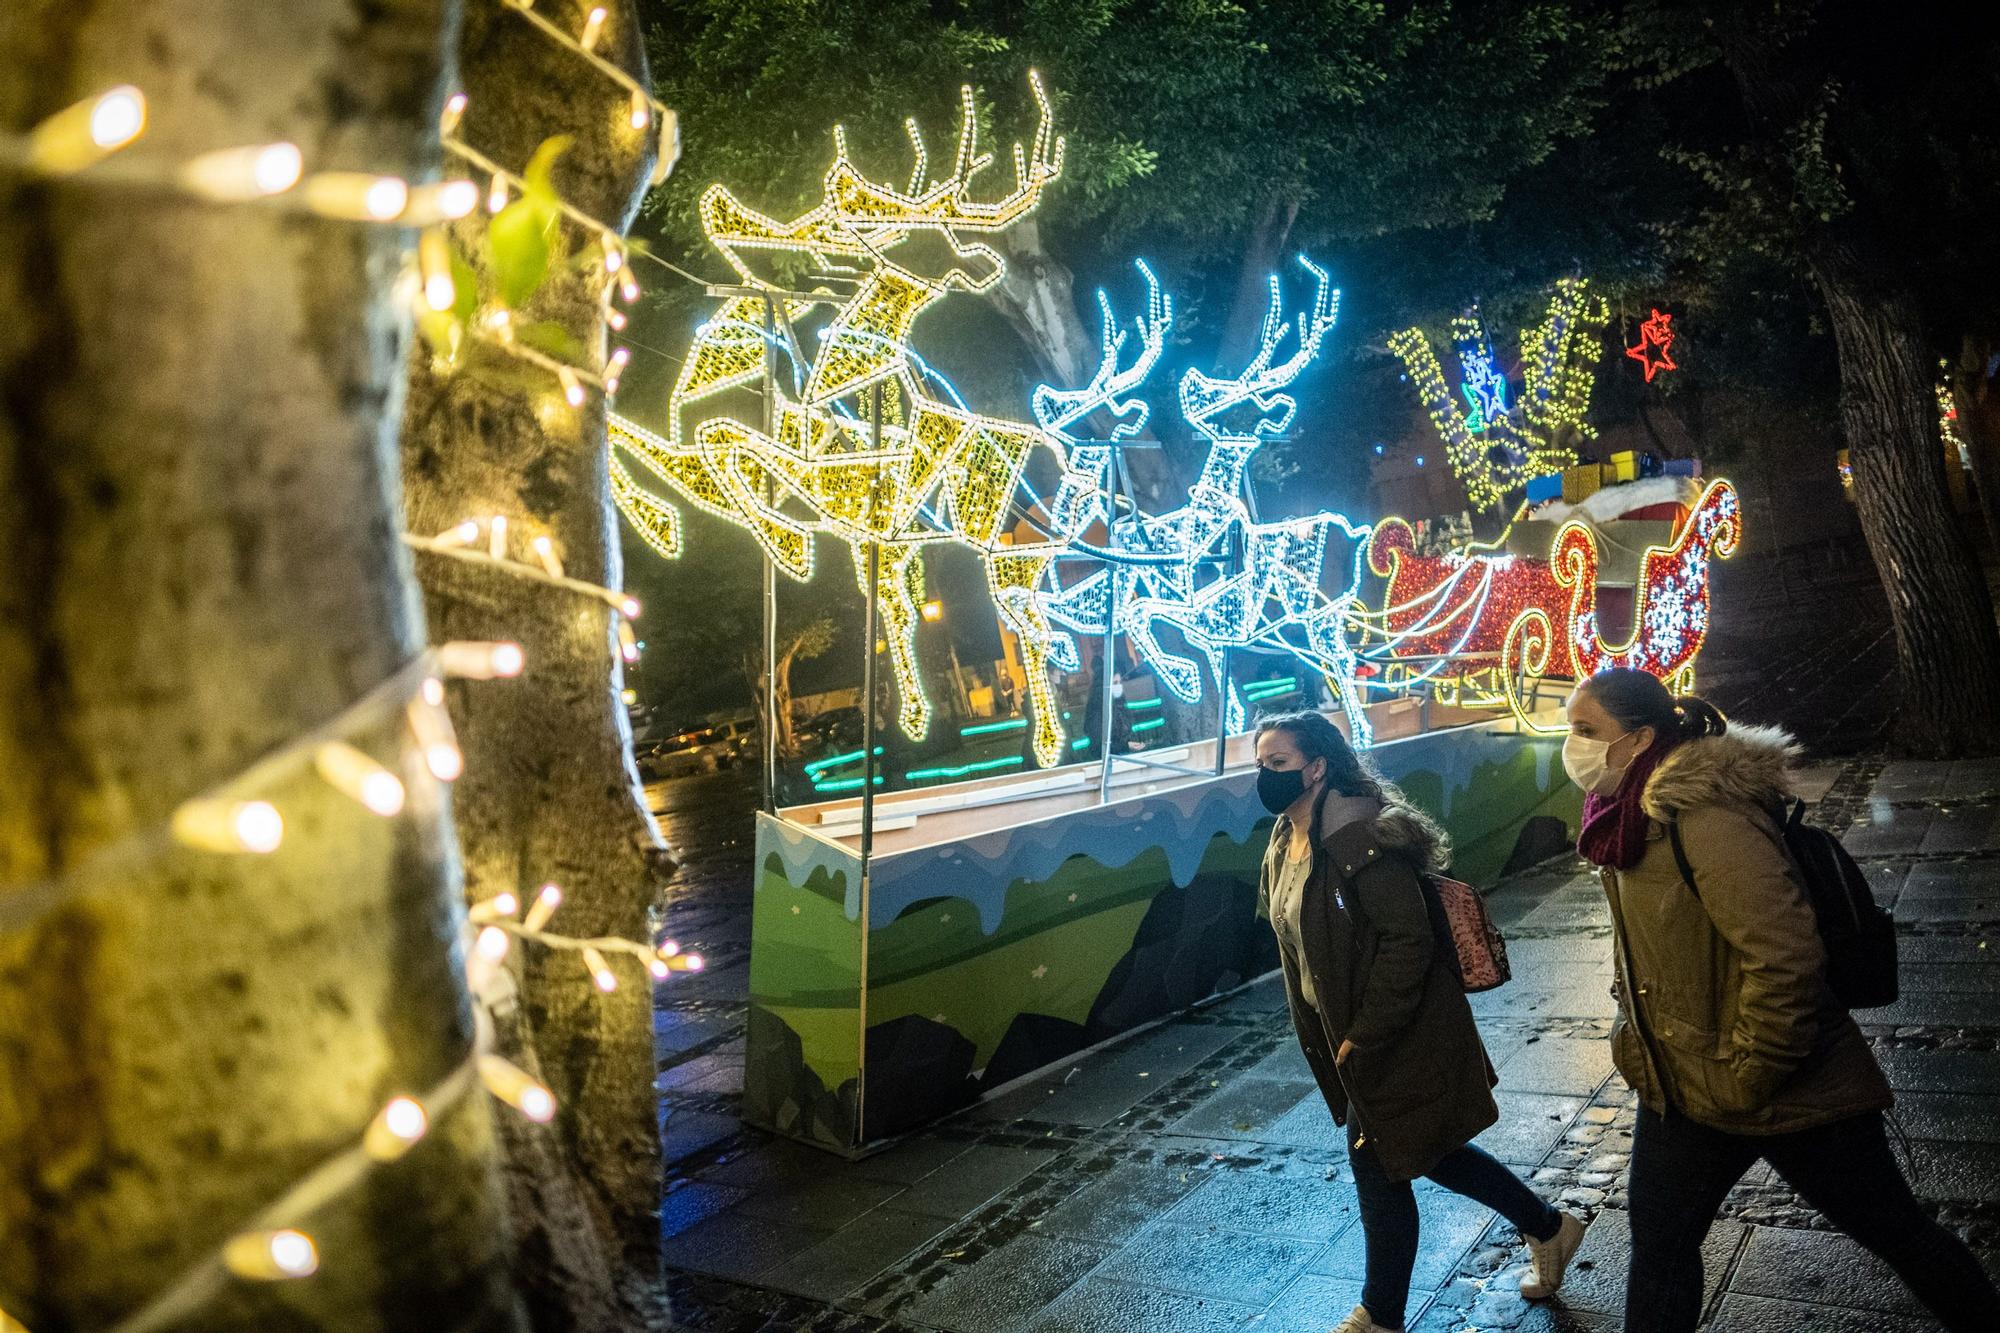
{"points": [[1728, 1029], [1379, 1008]]}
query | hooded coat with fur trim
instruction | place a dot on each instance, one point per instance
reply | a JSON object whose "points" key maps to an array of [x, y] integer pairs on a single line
{"points": [[1730, 982], [1417, 1084]]}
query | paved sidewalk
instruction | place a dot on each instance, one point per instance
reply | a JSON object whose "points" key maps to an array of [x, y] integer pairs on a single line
{"points": [[1189, 1177]]}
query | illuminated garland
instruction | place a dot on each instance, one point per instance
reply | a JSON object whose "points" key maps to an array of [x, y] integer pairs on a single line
{"points": [[1510, 584], [1497, 448]]}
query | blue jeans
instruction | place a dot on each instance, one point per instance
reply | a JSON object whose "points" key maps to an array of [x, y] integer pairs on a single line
{"points": [[1389, 1216], [1682, 1170]]}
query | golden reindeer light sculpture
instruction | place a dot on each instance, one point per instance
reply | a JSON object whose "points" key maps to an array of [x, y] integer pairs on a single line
{"points": [[932, 470]]}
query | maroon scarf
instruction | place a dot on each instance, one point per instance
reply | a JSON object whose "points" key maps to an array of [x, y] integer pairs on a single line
{"points": [[1614, 826]]}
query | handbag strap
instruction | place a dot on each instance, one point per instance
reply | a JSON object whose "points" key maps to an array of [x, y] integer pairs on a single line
{"points": [[1681, 858]]}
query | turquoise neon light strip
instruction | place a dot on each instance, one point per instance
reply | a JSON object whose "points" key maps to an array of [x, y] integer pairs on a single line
{"points": [[988, 728], [1005, 761], [834, 761], [843, 784], [1080, 743], [1148, 726], [1142, 704]]}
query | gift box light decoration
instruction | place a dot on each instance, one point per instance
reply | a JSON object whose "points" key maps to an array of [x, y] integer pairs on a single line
{"points": [[1497, 447], [941, 473]]}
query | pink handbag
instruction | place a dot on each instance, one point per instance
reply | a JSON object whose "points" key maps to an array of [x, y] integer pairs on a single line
{"points": [[1482, 952]]}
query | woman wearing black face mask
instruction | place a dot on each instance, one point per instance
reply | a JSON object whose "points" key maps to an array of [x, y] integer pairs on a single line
{"points": [[1379, 1008]]}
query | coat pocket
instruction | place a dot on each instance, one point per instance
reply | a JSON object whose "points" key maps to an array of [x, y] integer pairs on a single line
{"points": [[1704, 1069]]}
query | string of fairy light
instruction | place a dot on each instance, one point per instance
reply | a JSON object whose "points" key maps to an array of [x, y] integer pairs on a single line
{"points": [[84, 144]]}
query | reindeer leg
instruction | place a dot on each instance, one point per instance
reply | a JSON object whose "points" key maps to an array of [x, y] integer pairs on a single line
{"points": [[1013, 574], [896, 609]]}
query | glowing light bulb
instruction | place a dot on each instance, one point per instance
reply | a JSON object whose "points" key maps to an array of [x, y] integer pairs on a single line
{"points": [[464, 534], [271, 1256], [629, 696], [658, 967], [356, 196], [600, 970], [431, 725], [545, 551], [629, 608], [614, 257], [668, 948], [513, 1086], [219, 825], [620, 357], [432, 691], [394, 1129], [628, 647], [496, 197], [479, 660], [118, 117], [454, 109], [492, 944], [499, 905], [386, 198], [496, 537], [571, 386], [695, 962], [628, 286], [642, 110], [593, 28], [235, 174], [88, 131], [615, 318], [434, 262], [455, 199], [356, 775], [545, 905]]}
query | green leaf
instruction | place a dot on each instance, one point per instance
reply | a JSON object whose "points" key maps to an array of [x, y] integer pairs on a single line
{"points": [[442, 333], [465, 287], [541, 166], [520, 238], [548, 336]]}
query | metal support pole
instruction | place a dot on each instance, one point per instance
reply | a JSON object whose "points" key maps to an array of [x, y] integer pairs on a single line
{"points": [[867, 785], [871, 622], [770, 572], [1106, 673]]}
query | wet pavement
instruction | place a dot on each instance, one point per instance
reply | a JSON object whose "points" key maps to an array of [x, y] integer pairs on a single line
{"points": [[1188, 1177]]}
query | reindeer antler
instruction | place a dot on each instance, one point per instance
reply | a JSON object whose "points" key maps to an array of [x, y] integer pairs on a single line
{"points": [[1205, 397], [1060, 409]]}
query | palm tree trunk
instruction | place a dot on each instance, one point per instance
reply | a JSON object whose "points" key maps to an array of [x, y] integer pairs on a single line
{"points": [[551, 793], [196, 474]]}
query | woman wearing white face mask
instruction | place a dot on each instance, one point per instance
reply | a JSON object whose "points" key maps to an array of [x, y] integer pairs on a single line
{"points": [[1728, 1029]]}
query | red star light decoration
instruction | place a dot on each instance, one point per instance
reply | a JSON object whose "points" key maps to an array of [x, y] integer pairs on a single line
{"points": [[1656, 336]]}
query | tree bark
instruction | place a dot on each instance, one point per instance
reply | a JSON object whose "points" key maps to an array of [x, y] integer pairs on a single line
{"points": [[197, 479], [1975, 391], [551, 794], [1037, 297], [1946, 643], [1263, 255]]}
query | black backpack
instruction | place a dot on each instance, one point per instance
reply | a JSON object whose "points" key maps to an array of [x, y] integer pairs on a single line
{"points": [[1860, 937]]}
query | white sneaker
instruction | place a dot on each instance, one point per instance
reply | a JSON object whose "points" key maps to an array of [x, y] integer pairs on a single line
{"points": [[1549, 1258], [1359, 1322]]}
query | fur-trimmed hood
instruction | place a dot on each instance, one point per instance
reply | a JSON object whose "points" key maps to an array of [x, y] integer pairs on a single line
{"points": [[1744, 765]]}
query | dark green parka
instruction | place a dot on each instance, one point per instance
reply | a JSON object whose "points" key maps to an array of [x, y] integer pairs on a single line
{"points": [[1418, 1081]]}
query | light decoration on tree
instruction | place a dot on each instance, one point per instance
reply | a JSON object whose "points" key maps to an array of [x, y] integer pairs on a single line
{"points": [[230, 818], [1499, 447], [1656, 339], [941, 473], [1947, 415]]}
